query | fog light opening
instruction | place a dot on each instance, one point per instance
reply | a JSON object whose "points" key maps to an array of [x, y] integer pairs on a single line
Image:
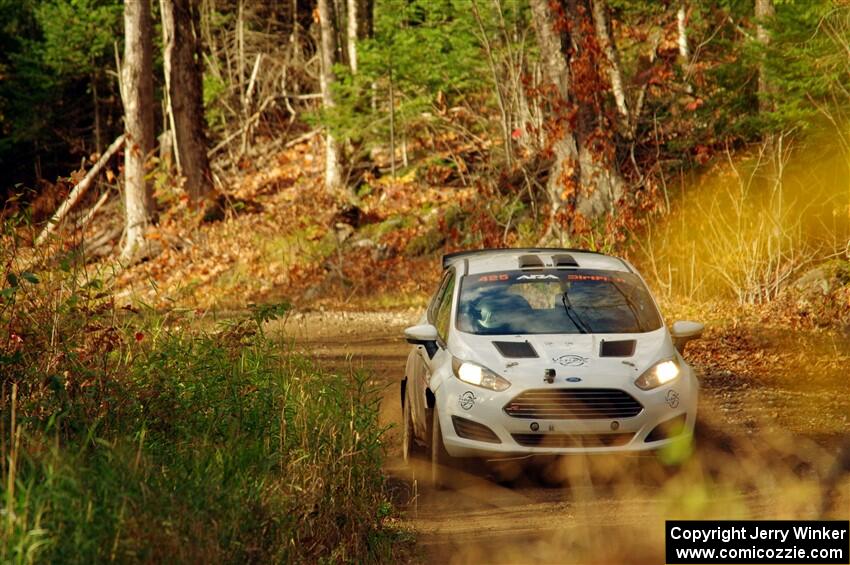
{"points": [[667, 429]]}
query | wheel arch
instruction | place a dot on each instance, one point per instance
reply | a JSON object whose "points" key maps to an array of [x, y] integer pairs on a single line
{"points": [[430, 398], [403, 391]]}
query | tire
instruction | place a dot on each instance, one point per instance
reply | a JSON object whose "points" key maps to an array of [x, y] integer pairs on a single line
{"points": [[441, 461], [408, 437]]}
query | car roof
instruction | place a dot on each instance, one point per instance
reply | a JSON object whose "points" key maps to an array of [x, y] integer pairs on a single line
{"points": [[512, 259]]}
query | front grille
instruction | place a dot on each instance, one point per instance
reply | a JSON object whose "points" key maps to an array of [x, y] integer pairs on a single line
{"points": [[572, 440], [468, 429], [573, 404]]}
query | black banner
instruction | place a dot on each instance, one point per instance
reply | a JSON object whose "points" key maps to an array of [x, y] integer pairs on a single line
{"points": [[757, 541]]}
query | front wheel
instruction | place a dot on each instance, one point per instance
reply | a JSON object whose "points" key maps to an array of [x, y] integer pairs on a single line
{"points": [[441, 461]]}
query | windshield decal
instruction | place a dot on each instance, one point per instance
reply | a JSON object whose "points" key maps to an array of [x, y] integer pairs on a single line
{"points": [[537, 278], [494, 277], [595, 278]]}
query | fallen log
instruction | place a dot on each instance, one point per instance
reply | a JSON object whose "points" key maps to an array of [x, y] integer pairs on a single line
{"points": [[79, 191], [102, 244], [300, 138], [94, 209]]}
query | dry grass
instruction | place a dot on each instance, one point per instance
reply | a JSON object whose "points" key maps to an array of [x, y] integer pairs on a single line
{"points": [[750, 225]]}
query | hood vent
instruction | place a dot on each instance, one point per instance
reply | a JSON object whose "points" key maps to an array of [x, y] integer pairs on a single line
{"points": [[530, 262], [622, 348], [516, 349], [564, 261]]}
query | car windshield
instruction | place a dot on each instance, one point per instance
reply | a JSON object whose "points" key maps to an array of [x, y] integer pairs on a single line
{"points": [[555, 302]]}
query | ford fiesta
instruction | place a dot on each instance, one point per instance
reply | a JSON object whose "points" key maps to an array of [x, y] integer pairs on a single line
{"points": [[526, 352]]}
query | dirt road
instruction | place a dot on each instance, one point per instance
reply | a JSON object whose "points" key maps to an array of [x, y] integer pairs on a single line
{"points": [[764, 447]]}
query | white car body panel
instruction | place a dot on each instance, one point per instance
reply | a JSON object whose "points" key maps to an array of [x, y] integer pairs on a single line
{"points": [[572, 356]]}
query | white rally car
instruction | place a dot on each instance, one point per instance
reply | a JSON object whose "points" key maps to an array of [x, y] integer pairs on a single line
{"points": [[526, 352]]}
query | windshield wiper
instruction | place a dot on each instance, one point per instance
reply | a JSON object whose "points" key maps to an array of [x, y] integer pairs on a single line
{"points": [[573, 314]]}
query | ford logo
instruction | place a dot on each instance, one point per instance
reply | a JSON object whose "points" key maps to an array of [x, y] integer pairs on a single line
{"points": [[573, 379]]}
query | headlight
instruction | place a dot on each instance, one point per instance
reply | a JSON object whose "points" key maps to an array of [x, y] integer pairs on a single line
{"points": [[478, 375], [659, 374]]}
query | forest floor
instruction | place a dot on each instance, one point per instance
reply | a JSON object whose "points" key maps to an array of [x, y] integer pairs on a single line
{"points": [[770, 422], [284, 238]]}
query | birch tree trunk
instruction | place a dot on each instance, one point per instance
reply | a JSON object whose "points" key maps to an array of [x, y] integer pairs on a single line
{"points": [[183, 78], [606, 41], [358, 27], [353, 33], [682, 42], [764, 11], [327, 24], [682, 33], [137, 87]]}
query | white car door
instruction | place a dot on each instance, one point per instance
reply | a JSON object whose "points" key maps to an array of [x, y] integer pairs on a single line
{"points": [[420, 363]]}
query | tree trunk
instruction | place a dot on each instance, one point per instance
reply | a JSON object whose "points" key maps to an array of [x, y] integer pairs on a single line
{"points": [[682, 30], [365, 18], [183, 79], [580, 171], [353, 33], [327, 23], [137, 86], [392, 124], [563, 178], [606, 41], [764, 11], [358, 27], [98, 140], [602, 184], [240, 45], [682, 42]]}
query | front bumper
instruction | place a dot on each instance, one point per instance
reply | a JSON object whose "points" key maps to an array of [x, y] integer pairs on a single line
{"points": [[519, 437]]}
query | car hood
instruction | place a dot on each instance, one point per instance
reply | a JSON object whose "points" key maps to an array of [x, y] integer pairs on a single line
{"points": [[573, 356]]}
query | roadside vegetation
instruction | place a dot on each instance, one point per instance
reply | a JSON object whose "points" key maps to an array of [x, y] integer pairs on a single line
{"points": [[129, 434]]}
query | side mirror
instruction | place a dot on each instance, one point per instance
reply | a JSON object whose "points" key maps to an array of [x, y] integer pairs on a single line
{"points": [[683, 331], [424, 335]]}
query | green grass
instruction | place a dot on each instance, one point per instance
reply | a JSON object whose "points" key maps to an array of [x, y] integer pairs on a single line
{"points": [[139, 437], [216, 450]]}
